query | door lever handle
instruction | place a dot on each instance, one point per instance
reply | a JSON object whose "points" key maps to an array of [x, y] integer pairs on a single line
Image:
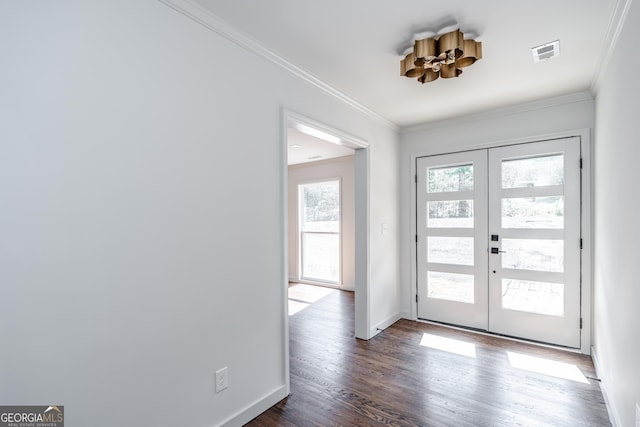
{"points": [[497, 251]]}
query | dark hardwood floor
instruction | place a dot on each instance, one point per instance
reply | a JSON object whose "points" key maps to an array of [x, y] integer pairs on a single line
{"points": [[393, 380]]}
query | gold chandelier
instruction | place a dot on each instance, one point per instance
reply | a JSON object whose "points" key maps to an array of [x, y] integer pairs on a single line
{"points": [[441, 56]]}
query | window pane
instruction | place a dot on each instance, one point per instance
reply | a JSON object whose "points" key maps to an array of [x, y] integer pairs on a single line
{"points": [[533, 212], [320, 206], [320, 226], [456, 178], [452, 213], [450, 286], [533, 172], [321, 256], [533, 297], [450, 250], [532, 254]]}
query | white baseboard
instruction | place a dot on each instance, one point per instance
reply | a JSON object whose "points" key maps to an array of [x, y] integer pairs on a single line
{"points": [[376, 329], [255, 409], [406, 315], [611, 409]]}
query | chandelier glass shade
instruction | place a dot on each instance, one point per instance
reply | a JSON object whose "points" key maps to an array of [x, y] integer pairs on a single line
{"points": [[444, 56]]}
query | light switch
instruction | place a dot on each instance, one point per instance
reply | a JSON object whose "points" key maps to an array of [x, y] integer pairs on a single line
{"points": [[383, 228]]}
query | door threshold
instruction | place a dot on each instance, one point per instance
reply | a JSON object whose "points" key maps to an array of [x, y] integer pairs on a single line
{"points": [[506, 337]]}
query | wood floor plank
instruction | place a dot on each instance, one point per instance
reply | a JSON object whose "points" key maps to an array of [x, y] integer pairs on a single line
{"points": [[393, 380]]}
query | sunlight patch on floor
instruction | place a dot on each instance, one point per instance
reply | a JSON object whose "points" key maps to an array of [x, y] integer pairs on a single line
{"points": [[544, 366], [302, 296], [308, 293], [449, 345], [296, 306]]}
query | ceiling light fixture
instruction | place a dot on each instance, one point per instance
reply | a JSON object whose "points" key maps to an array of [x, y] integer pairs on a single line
{"points": [[443, 55]]}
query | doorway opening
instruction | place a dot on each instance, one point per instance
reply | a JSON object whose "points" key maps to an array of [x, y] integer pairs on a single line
{"points": [[335, 156]]}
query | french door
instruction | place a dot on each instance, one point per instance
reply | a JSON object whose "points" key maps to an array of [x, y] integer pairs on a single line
{"points": [[498, 245]]}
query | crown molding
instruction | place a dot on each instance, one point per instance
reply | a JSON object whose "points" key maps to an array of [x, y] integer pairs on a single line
{"points": [[611, 40], [501, 112], [212, 22]]}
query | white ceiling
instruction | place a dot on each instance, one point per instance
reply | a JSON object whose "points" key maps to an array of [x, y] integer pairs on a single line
{"points": [[303, 148], [354, 47]]}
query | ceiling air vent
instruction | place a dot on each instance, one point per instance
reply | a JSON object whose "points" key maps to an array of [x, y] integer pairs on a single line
{"points": [[546, 51]]}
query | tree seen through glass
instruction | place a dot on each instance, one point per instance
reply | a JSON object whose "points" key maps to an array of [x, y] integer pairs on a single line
{"points": [[452, 213], [321, 206], [451, 178]]}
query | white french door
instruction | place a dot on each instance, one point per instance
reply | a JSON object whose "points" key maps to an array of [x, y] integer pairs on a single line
{"points": [[499, 240], [452, 228]]}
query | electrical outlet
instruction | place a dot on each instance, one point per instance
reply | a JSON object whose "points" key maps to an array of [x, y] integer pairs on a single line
{"points": [[637, 414], [222, 379]]}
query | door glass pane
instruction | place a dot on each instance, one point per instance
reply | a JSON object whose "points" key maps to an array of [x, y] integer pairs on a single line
{"points": [[452, 178], [533, 212], [450, 250], [533, 297], [450, 214], [533, 254], [450, 286], [533, 172]]}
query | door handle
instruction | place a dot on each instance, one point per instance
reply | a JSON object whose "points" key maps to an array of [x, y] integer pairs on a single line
{"points": [[497, 251]]}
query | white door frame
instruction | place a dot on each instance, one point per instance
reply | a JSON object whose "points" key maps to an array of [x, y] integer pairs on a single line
{"points": [[585, 219], [362, 306]]}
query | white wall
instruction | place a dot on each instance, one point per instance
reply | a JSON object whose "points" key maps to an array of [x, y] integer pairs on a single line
{"points": [[141, 189], [384, 206], [617, 229], [558, 115], [341, 168]]}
